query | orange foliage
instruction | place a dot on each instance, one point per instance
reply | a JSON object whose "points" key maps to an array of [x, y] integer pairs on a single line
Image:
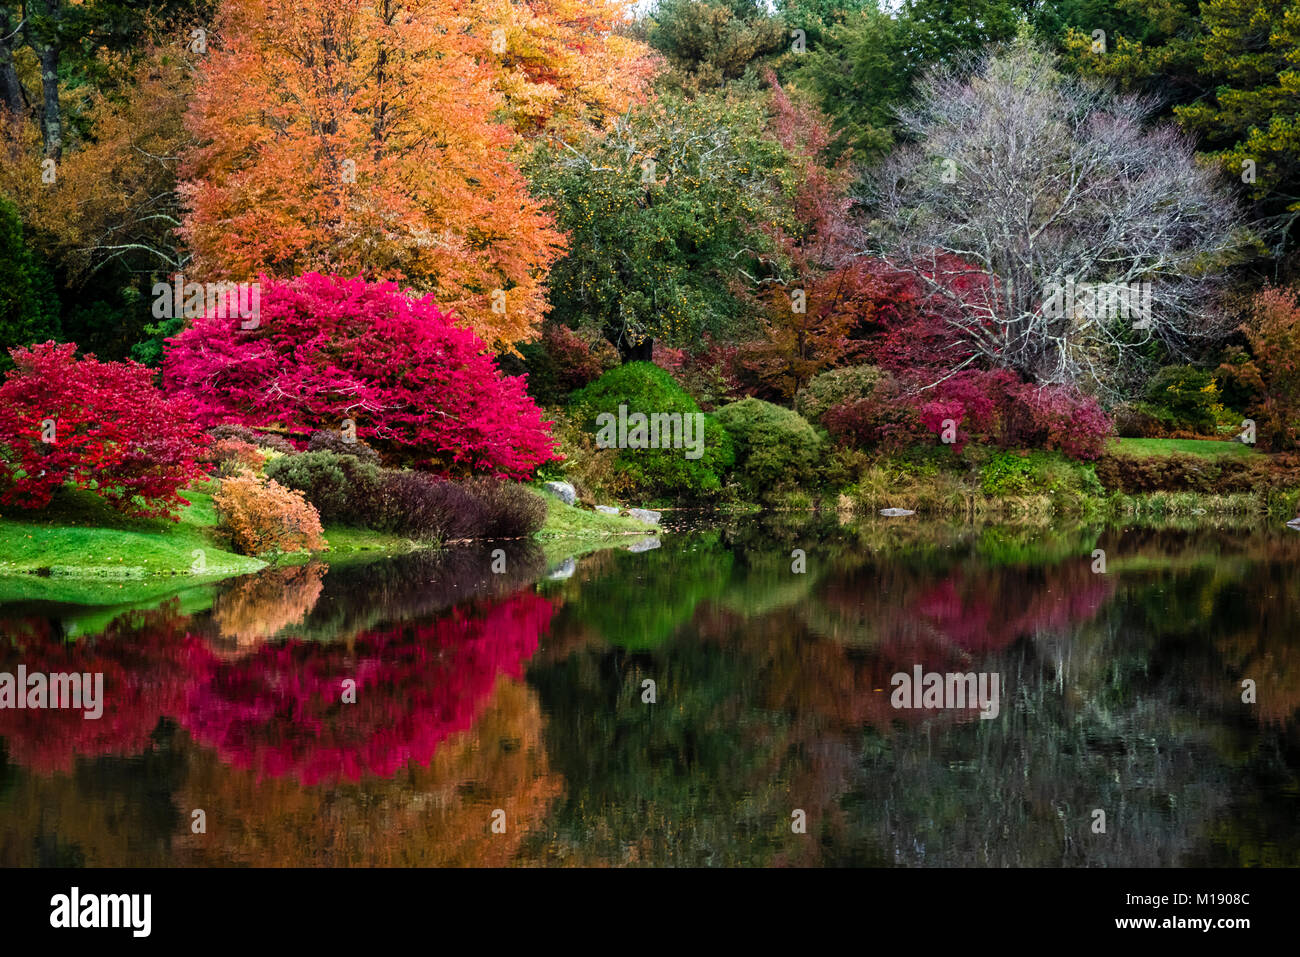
{"points": [[232, 456], [439, 815], [257, 607], [559, 61], [368, 139], [264, 516], [113, 196]]}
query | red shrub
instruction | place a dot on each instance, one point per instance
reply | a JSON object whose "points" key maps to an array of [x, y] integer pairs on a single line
{"points": [[278, 711], [1054, 417], [578, 361], [709, 373], [887, 418], [976, 400], [112, 431], [325, 349], [989, 407]]}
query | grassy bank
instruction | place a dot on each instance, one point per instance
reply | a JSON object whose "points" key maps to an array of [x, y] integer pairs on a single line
{"points": [[81, 550], [1135, 478], [567, 521]]}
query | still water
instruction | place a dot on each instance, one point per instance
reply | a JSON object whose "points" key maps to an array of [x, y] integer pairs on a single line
{"points": [[506, 718]]}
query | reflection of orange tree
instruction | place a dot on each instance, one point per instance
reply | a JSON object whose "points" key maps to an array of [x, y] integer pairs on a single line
{"points": [[257, 606], [147, 659], [113, 811], [1258, 640], [280, 711], [437, 815]]}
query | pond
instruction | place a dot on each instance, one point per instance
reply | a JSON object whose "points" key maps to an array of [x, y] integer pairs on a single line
{"points": [[726, 695]]}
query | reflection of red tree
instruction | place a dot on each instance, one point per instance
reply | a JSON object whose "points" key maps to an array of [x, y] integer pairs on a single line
{"points": [[984, 614], [280, 711], [971, 612], [147, 661]]}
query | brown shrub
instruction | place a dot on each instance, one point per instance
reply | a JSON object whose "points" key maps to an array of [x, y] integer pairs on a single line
{"points": [[1179, 472]]}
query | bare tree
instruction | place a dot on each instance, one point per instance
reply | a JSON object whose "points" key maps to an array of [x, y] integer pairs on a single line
{"points": [[1057, 233]]}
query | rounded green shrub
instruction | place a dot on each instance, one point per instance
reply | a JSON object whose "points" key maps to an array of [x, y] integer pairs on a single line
{"points": [[640, 409], [835, 387], [775, 446], [341, 487]]}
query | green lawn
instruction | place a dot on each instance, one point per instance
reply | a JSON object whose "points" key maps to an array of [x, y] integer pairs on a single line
{"points": [[567, 521], [1157, 448], [80, 534], [81, 551]]}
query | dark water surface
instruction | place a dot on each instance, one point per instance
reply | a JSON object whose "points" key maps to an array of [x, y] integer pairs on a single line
{"points": [[519, 699]]}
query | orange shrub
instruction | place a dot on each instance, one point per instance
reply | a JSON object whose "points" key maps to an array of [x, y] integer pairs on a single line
{"points": [[232, 455], [265, 516]]}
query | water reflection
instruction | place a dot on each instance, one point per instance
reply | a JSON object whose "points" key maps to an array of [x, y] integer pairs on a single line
{"points": [[525, 693]]}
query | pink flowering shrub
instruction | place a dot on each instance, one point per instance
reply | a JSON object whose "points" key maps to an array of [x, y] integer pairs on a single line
{"points": [[325, 349]]}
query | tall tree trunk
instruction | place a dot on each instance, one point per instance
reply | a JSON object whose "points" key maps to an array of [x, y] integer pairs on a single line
{"points": [[12, 96], [47, 47], [642, 351]]}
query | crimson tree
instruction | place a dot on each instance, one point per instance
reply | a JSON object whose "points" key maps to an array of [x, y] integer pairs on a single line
{"points": [[97, 425], [325, 350]]}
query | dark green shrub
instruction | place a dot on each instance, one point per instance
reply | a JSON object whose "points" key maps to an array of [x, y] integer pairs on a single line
{"points": [[508, 510], [834, 388], [775, 446], [666, 471], [29, 308], [342, 487], [1183, 398]]}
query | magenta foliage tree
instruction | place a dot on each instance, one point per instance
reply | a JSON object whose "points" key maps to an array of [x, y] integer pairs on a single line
{"points": [[324, 349]]}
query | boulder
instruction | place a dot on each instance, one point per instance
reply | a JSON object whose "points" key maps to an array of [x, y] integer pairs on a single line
{"points": [[644, 515], [894, 512], [563, 570], [565, 492]]}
